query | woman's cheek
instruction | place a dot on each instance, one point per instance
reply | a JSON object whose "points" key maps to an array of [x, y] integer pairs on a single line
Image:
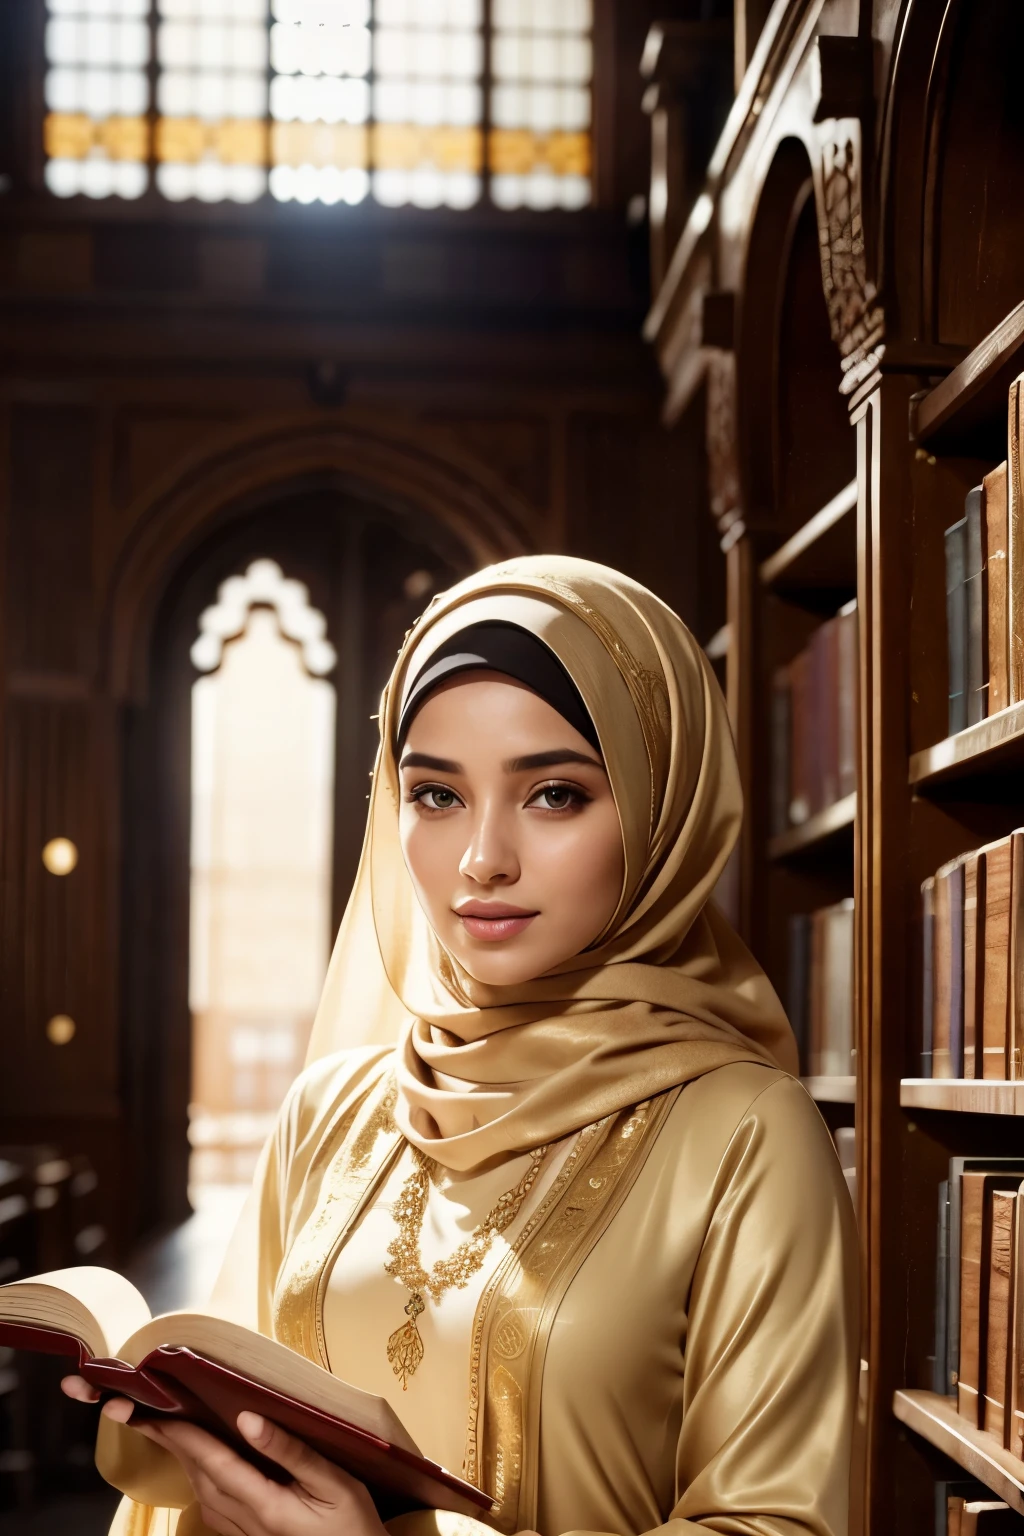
{"points": [[428, 851]]}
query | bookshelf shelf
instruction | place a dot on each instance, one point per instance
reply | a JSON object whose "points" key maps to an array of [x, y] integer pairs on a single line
{"points": [[993, 746], [966, 412], [965, 1096], [828, 826], [822, 555], [831, 1090], [936, 1420]]}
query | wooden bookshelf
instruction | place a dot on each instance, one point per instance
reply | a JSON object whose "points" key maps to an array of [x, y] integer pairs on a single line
{"points": [[936, 1420], [965, 1096], [992, 746], [826, 828], [831, 1090], [966, 412], [821, 555]]}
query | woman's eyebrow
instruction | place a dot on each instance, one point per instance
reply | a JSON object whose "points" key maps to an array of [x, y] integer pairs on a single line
{"points": [[550, 760], [424, 760]]}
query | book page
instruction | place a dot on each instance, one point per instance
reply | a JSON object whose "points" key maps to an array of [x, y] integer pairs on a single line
{"points": [[271, 1364], [98, 1306]]}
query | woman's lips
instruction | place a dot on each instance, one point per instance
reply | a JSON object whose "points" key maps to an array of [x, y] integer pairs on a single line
{"points": [[482, 921]]}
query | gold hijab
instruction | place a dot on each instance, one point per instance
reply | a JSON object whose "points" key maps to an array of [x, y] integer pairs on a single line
{"points": [[667, 993]]}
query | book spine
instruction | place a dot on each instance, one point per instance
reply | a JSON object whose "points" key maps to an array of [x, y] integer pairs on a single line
{"points": [[974, 951], [956, 970], [974, 591], [942, 1064], [994, 488], [956, 624], [816, 727], [1015, 544], [995, 997], [799, 979], [940, 1367], [1014, 1438], [998, 1252], [972, 1201], [1015, 1027], [828, 736], [780, 744], [816, 1000], [927, 976], [800, 804], [847, 698]]}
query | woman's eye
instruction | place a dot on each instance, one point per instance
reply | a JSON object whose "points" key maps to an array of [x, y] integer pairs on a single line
{"points": [[558, 797], [436, 798]]}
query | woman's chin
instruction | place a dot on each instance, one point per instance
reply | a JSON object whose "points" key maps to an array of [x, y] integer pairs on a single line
{"points": [[493, 967]]}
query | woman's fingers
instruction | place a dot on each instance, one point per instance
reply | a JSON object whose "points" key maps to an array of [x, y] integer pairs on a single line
{"points": [[120, 1409], [202, 1454], [78, 1388], [316, 1474]]}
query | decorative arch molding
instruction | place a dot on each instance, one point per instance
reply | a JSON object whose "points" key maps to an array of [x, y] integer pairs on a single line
{"points": [[400, 466]]}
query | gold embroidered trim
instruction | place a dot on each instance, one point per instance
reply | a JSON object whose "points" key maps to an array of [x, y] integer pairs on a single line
{"points": [[297, 1312], [519, 1307], [565, 1174]]}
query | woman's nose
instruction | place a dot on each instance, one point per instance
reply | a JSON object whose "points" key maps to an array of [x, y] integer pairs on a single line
{"points": [[491, 855]]}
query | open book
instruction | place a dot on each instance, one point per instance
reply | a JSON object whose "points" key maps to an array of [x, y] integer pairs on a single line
{"points": [[206, 1369]]}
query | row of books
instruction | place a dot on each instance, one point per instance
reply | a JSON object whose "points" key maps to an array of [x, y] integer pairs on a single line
{"points": [[814, 724], [985, 589], [979, 1311], [972, 981], [820, 989]]}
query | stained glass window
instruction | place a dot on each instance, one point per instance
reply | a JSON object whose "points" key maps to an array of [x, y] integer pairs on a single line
{"points": [[211, 130], [541, 64], [96, 130], [426, 102]]}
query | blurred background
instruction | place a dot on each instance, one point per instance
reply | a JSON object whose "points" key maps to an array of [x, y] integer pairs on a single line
{"points": [[311, 307]]}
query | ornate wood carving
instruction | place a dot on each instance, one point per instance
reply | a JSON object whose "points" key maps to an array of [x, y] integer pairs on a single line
{"points": [[855, 315], [722, 449]]}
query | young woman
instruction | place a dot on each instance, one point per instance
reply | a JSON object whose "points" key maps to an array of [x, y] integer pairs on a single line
{"points": [[548, 1185]]}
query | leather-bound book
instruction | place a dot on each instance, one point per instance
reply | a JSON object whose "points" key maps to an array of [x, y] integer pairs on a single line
{"points": [[1012, 1168], [956, 968], [837, 1058], [1013, 1438], [1015, 542], [976, 1206], [974, 959], [940, 1360], [825, 668], [799, 976], [816, 998], [997, 1270], [208, 1370], [801, 803], [996, 985], [956, 624], [780, 744], [847, 697], [948, 970], [977, 616], [996, 538], [927, 974], [1015, 1022]]}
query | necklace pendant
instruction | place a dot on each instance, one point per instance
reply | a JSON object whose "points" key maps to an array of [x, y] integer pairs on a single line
{"points": [[405, 1346]]}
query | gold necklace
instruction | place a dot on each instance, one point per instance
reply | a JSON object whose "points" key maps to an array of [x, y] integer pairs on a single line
{"points": [[405, 1346]]}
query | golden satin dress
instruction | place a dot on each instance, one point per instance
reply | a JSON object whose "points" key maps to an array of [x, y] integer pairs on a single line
{"points": [[667, 1338]]}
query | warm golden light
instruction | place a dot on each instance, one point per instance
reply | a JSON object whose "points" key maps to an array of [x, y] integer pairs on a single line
{"points": [[60, 1029], [60, 855]]}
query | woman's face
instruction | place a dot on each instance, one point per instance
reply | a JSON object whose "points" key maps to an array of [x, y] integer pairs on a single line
{"points": [[508, 828]]}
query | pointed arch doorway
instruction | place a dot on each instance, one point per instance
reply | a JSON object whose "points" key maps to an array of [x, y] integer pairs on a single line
{"points": [[195, 1028]]}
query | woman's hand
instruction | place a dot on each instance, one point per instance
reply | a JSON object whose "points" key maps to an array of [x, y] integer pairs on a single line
{"points": [[237, 1500]]}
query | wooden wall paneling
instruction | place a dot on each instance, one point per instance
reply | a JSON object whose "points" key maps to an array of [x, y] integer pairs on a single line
{"points": [[56, 951], [50, 615]]}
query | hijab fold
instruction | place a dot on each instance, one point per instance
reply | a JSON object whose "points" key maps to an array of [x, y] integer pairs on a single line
{"points": [[666, 993]]}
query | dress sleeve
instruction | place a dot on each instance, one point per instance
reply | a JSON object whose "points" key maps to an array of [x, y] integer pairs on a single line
{"points": [[769, 1371]]}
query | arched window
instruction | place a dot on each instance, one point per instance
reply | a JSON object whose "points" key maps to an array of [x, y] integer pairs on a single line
{"points": [[429, 102], [262, 792]]}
